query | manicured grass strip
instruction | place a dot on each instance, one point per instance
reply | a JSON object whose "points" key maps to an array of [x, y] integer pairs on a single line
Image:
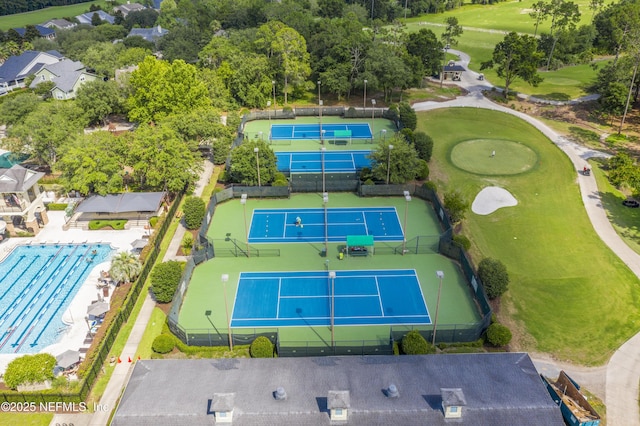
{"points": [[624, 219], [25, 419], [154, 328], [576, 299], [41, 16]]}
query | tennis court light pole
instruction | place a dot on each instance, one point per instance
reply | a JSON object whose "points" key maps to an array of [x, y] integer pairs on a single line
{"points": [[256, 150], [325, 201], [322, 151], [389, 163], [224, 278], [273, 85], [440, 275], [243, 201], [407, 198], [332, 275], [373, 111]]}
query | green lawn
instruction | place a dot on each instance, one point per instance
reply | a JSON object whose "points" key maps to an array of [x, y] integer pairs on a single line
{"points": [[25, 419], [154, 329], [576, 299], [40, 16], [625, 220]]}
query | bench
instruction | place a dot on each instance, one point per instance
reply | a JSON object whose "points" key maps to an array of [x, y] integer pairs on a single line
{"points": [[358, 251]]}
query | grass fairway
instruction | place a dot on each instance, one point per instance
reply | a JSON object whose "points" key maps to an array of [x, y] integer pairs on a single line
{"points": [[43, 15], [575, 298]]}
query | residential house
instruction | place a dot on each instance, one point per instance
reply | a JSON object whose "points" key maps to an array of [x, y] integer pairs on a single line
{"points": [[45, 32], [493, 389], [21, 202], [16, 68], [86, 18], [61, 24], [149, 34], [156, 4], [128, 8], [67, 75]]}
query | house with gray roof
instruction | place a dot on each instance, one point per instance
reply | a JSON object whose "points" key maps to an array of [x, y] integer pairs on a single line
{"points": [[86, 18], [128, 8], [61, 24], [16, 68], [44, 32], [149, 34], [21, 202], [67, 76], [500, 389]]}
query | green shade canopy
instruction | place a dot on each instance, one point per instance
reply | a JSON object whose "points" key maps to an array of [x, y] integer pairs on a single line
{"points": [[359, 240]]}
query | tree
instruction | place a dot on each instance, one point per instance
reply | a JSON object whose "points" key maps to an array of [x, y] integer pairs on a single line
{"points": [[95, 20], [202, 126], [29, 369], [145, 18], [498, 335], [564, 15], [400, 163], [424, 145], [161, 160], [330, 8], [386, 70], [31, 33], [613, 98], [290, 53], [414, 344], [516, 57], [194, 210], [182, 43], [494, 277], [449, 36], [160, 89], [165, 278], [456, 205], [244, 167], [99, 99], [16, 109], [125, 267], [93, 163], [261, 347], [425, 45], [407, 116], [539, 12], [102, 57], [46, 129]]}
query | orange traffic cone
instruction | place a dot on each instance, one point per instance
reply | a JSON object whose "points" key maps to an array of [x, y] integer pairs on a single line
{"points": [[138, 357], [119, 360], [129, 359]]}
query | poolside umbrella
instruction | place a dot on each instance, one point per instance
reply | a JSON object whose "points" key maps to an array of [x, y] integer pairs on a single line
{"points": [[139, 244], [68, 359], [98, 308]]}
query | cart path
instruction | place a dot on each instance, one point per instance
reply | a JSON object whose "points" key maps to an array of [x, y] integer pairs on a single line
{"points": [[617, 382]]}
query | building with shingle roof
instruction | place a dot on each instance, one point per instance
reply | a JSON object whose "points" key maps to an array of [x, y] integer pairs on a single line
{"points": [[67, 75], [44, 32], [149, 34], [16, 68], [127, 8], [61, 24], [501, 389], [86, 18]]}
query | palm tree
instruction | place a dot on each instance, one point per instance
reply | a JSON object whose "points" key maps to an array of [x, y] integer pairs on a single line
{"points": [[125, 267]]}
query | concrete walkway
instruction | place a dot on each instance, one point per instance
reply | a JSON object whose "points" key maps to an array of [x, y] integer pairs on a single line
{"points": [[123, 370], [617, 385]]}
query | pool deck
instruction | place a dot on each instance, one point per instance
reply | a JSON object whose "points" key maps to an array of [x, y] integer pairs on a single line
{"points": [[74, 337]]}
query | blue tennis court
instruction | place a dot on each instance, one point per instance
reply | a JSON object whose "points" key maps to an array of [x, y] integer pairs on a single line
{"points": [[334, 161], [312, 131], [294, 299], [279, 225]]}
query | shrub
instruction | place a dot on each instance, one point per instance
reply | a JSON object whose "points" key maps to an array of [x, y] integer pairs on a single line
{"points": [[462, 241], [350, 113], [194, 210], [287, 108], [498, 334], [414, 344], [369, 182], [280, 182], [423, 170], [29, 369], [163, 344], [165, 278], [457, 206], [407, 116], [113, 224], [187, 243], [261, 348], [152, 221], [494, 276], [431, 185], [408, 135], [57, 206], [423, 145], [365, 174], [221, 148]]}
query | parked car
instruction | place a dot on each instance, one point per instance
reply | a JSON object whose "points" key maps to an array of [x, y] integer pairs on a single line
{"points": [[631, 203]]}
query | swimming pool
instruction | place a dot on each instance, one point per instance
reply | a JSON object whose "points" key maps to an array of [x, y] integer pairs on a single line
{"points": [[37, 283]]}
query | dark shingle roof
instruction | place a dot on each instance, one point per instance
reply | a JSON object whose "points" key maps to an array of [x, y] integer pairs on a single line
{"points": [[500, 389], [122, 203], [149, 34], [454, 67], [44, 31]]}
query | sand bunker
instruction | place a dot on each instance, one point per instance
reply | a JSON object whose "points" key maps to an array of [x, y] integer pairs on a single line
{"points": [[491, 199]]}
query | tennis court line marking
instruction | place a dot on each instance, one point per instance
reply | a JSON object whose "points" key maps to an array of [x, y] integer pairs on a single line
{"points": [[278, 305], [364, 222], [323, 318], [325, 275], [336, 296], [379, 297]]}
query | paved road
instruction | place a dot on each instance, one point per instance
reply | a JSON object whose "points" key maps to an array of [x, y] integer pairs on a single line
{"points": [[617, 384]]}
